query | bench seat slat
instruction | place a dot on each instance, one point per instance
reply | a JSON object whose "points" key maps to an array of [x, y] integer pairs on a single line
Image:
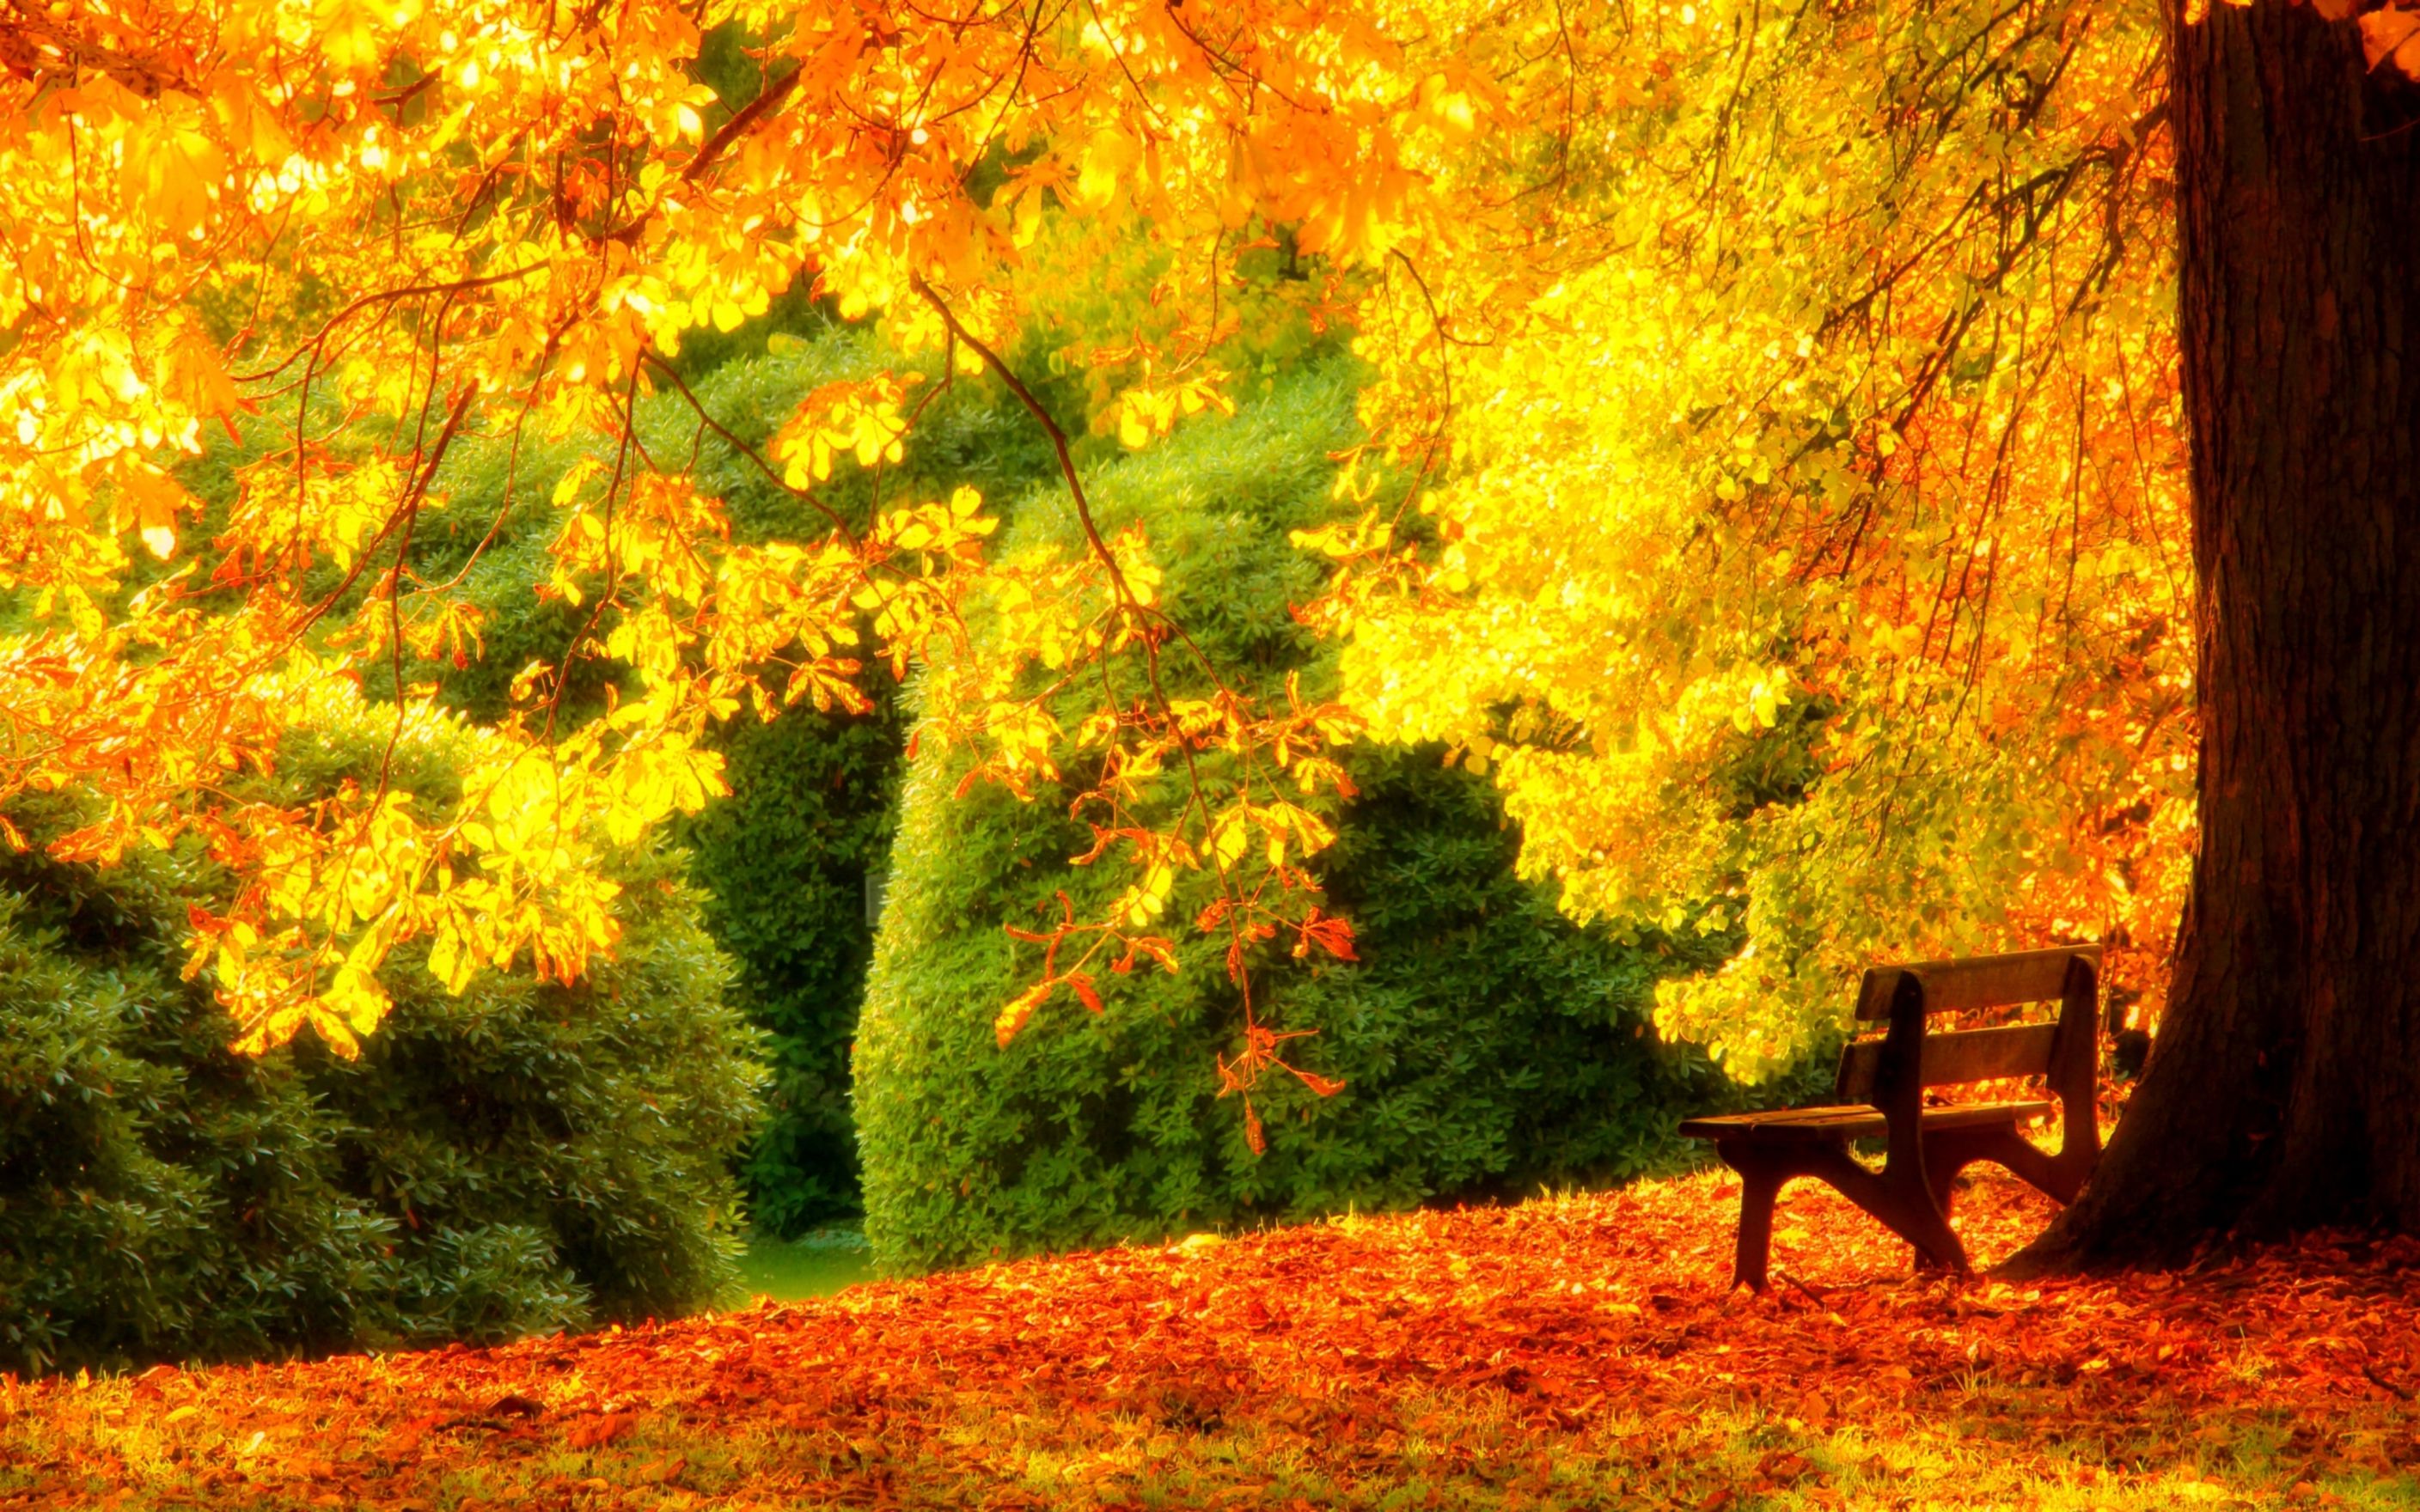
{"points": [[1955, 1059], [1853, 1121]]}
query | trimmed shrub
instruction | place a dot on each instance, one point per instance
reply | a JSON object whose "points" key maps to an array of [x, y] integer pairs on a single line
{"points": [[521, 1158], [1487, 1046], [782, 861]]}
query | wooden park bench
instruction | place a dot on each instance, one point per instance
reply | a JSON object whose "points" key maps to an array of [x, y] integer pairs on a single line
{"points": [[1881, 1091]]}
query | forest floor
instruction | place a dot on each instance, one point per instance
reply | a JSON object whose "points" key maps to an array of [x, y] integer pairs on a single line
{"points": [[1578, 1352]]}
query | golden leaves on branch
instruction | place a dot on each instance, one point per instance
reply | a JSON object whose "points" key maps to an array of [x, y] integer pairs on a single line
{"points": [[859, 418], [1752, 563], [375, 229]]}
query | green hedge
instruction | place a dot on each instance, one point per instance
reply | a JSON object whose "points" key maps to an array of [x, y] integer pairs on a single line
{"points": [[517, 1159], [1487, 1046], [782, 861]]}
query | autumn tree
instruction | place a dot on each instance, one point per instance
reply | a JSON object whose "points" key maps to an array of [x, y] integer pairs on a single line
{"points": [[1774, 477], [1802, 562], [1981, 434], [2285, 1091], [370, 231], [1767, 445]]}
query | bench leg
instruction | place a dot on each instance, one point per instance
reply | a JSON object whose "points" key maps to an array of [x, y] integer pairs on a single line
{"points": [[1911, 1213], [1906, 1209], [1915, 1216], [1944, 1158], [1759, 1185]]}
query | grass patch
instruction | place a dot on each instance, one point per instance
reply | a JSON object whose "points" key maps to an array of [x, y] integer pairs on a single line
{"points": [[800, 1269]]}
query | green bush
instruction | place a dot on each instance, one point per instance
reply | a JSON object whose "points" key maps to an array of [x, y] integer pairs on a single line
{"points": [[1487, 1046], [782, 861], [521, 1158]]}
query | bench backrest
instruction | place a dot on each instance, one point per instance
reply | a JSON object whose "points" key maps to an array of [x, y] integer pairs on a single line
{"points": [[1983, 981], [2062, 1051]]}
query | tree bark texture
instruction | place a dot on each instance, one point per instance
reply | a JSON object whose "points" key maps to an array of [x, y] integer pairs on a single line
{"points": [[2285, 1087]]}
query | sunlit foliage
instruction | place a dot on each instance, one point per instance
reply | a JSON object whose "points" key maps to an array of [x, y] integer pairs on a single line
{"points": [[1810, 499], [1485, 1046], [504, 219], [1785, 388]]}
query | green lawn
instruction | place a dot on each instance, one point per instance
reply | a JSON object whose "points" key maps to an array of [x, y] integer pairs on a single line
{"points": [[795, 1270]]}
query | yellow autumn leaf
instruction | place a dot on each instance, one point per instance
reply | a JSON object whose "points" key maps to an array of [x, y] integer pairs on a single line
{"points": [[1106, 156]]}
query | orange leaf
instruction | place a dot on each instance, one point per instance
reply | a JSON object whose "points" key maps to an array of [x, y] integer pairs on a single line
{"points": [[2385, 34], [1020, 1007], [599, 1431]]}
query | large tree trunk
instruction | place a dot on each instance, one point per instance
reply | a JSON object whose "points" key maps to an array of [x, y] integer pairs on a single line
{"points": [[2285, 1087]]}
